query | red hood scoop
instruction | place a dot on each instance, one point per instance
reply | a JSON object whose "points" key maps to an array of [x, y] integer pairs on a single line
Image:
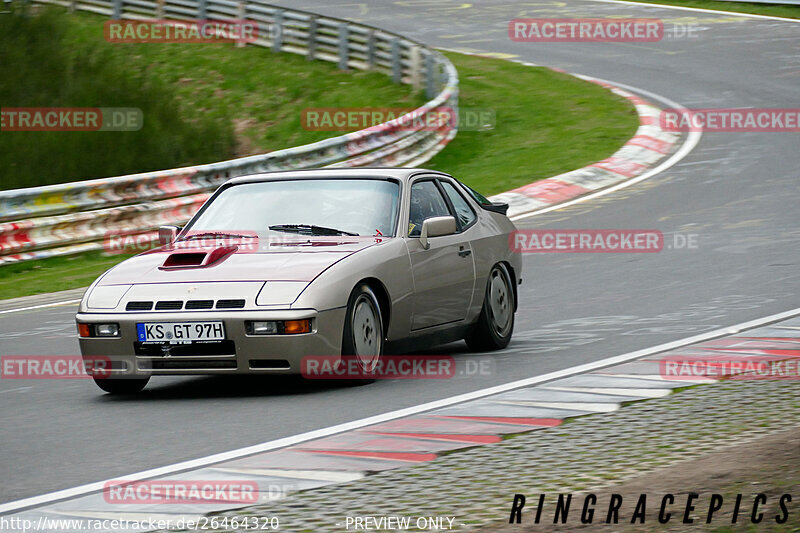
{"points": [[197, 259]]}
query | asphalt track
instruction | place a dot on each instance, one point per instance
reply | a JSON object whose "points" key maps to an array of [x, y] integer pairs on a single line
{"points": [[737, 192]]}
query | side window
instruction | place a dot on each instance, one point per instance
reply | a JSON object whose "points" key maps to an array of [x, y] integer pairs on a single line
{"points": [[426, 202], [464, 213]]}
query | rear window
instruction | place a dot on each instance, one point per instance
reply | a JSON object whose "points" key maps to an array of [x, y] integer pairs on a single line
{"points": [[478, 197]]}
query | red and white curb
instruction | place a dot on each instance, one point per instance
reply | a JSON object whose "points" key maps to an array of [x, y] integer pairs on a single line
{"points": [[650, 145], [424, 436]]}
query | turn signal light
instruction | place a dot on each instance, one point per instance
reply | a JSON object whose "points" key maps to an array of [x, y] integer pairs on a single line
{"points": [[291, 327], [84, 331]]}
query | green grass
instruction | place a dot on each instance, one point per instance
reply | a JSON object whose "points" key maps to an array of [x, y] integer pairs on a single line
{"points": [[259, 93], [46, 64], [54, 274], [201, 102], [773, 10], [547, 123]]}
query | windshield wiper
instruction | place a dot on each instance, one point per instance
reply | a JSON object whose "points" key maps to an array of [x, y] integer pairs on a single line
{"points": [[214, 234], [308, 229]]}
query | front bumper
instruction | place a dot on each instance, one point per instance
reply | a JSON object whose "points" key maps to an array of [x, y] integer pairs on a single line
{"points": [[240, 353]]}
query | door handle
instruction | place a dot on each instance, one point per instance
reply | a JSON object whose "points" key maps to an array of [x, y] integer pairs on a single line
{"points": [[463, 253]]}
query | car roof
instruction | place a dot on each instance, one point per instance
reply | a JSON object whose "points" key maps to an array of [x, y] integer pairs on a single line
{"points": [[402, 174]]}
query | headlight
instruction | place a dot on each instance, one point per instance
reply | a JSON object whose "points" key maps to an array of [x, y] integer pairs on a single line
{"points": [[106, 296], [262, 328], [106, 330], [280, 292]]}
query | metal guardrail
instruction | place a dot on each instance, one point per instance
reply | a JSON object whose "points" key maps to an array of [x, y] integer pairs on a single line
{"points": [[61, 219]]}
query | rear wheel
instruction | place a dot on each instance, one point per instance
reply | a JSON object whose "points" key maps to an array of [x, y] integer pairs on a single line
{"points": [[121, 385], [363, 330], [495, 324]]}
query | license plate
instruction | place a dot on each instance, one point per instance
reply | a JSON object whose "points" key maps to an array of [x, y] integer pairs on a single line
{"points": [[179, 331]]}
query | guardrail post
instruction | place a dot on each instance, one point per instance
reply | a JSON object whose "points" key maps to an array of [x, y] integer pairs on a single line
{"points": [[371, 50], [416, 68], [242, 14], [397, 66], [277, 30], [201, 9], [116, 9], [430, 76], [312, 38], [344, 46]]}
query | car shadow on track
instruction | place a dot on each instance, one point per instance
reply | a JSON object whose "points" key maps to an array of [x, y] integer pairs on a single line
{"points": [[213, 387], [264, 386]]}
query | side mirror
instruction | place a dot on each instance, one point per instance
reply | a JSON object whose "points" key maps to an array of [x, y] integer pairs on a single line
{"points": [[436, 227], [167, 234]]}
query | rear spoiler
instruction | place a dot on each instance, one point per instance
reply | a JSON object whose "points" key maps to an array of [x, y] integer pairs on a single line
{"points": [[496, 207]]}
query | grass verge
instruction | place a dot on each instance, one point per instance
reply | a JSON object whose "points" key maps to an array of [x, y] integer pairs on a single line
{"points": [[54, 274], [201, 103], [547, 123], [772, 10]]}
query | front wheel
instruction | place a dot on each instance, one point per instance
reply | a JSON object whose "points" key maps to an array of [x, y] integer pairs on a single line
{"points": [[363, 331], [495, 324], [121, 386]]}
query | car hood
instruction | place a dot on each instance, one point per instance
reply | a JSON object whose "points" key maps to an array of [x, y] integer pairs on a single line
{"points": [[297, 260]]}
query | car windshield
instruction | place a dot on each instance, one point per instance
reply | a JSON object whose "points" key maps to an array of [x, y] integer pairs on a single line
{"points": [[305, 206]]}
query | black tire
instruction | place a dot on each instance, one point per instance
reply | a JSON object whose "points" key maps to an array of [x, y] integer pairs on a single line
{"points": [[122, 386], [363, 336], [498, 306]]}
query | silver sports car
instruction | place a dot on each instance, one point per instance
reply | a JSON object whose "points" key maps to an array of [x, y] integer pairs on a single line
{"points": [[278, 267]]}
